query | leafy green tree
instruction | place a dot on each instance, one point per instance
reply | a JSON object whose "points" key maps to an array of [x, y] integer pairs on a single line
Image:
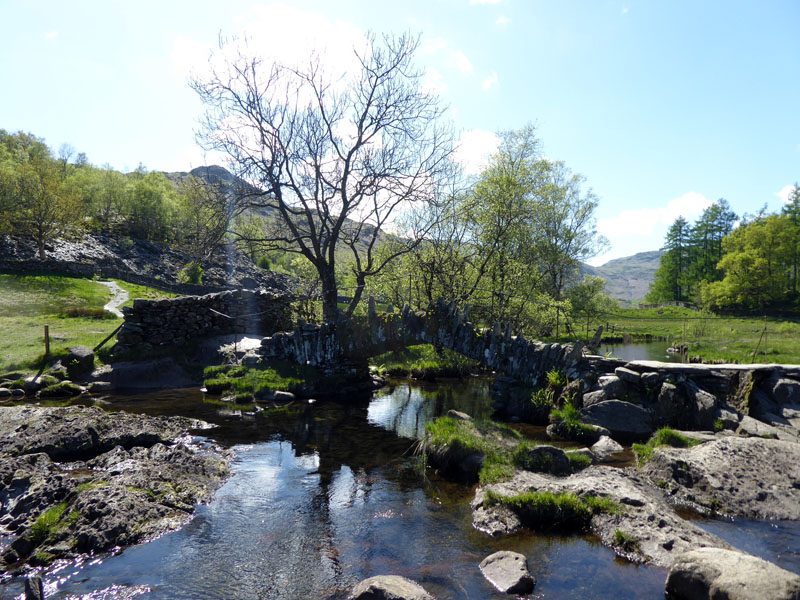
{"points": [[791, 211], [204, 215], [670, 282], [150, 206]]}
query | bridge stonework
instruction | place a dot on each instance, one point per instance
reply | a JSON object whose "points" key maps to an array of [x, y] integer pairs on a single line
{"points": [[443, 325]]}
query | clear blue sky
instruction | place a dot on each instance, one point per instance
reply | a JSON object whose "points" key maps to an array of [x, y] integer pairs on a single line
{"points": [[662, 106]]}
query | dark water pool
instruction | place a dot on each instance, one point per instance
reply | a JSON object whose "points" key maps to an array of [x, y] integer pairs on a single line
{"points": [[326, 494]]}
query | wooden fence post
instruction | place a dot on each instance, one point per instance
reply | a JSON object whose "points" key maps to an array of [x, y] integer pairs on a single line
{"points": [[46, 341]]}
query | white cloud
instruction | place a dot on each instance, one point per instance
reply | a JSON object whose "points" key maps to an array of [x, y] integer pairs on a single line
{"points": [[51, 35], [784, 193], [644, 222], [643, 229], [460, 61], [489, 81], [433, 82], [502, 21], [432, 45], [278, 33], [474, 149]]}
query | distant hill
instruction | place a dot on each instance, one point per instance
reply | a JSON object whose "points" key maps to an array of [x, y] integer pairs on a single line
{"points": [[627, 278]]}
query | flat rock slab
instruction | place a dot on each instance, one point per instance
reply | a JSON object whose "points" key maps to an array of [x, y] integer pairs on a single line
{"points": [[389, 587], [108, 480], [645, 514], [714, 573], [508, 572], [745, 477], [624, 420]]}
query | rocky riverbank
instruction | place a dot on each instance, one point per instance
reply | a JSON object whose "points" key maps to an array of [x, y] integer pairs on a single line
{"points": [[76, 481]]}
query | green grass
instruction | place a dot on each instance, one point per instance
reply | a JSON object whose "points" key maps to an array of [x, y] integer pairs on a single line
{"points": [[547, 510], [241, 381], [663, 437], [625, 541], [453, 440], [140, 291], [422, 361], [569, 421], [713, 337], [72, 307], [543, 398], [47, 522]]}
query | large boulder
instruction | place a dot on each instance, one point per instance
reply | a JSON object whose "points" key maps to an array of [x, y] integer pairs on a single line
{"points": [[612, 385], [716, 574], [508, 572], [80, 362], [389, 587], [545, 459], [747, 477], [626, 422]]}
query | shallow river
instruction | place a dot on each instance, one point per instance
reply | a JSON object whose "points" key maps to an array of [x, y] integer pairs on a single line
{"points": [[328, 494]]}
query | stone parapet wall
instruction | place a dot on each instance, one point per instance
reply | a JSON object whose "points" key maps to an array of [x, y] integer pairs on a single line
{"points": [[177, 320], [443, 325]]}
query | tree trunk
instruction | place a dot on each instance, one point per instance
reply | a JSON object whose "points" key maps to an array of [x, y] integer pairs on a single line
{"points": [[330, 294]]}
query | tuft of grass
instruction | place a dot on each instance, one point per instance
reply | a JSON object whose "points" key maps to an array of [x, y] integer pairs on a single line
{"points": [[719, 425], [569, 421], [663, 437], [276, 375], [47, 522], [544, 511], [422, 361], [61, 389], [450, 442], [556, 379], [543, 398], [625, 541], [578, 462]]}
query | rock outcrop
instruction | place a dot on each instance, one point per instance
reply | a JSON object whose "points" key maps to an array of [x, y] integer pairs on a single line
{"points": [[76, 481], [745, 477], [714, 573]]}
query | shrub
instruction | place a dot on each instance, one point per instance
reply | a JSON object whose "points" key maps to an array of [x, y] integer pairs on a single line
{"points": [[663, 437], [264, 263], [556, 379], [191, 273], [543, 398]]}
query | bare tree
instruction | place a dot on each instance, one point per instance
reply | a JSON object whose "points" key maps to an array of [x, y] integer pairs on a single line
{"points": [[337, 159]]}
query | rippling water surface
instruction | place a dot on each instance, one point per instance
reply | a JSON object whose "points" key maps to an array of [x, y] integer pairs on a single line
{"points": [[326, 494]]}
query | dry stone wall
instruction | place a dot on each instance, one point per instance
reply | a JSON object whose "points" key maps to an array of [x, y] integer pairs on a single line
{"points": [[152, 323], [444, 325]]}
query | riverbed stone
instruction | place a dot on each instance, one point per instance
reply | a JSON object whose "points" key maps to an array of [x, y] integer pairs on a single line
{"points": [[508, 572], [545, 459], [612, 385], [605, 447], [80, 362], [625, 421], [5, 392], [595, 397], [743, 477], [627, 375], [786, 391], [650, 379], [715, 573], [389, 587]]}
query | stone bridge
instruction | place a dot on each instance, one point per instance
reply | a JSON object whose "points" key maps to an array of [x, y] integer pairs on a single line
{"points": [[444, 325]]}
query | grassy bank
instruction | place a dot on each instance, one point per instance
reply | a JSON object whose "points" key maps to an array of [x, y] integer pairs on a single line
{"points": [[71, 307], [423, 362], [712, 337]]}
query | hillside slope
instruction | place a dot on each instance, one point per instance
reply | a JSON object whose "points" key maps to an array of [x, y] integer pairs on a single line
{"points": [[627, 278]]}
